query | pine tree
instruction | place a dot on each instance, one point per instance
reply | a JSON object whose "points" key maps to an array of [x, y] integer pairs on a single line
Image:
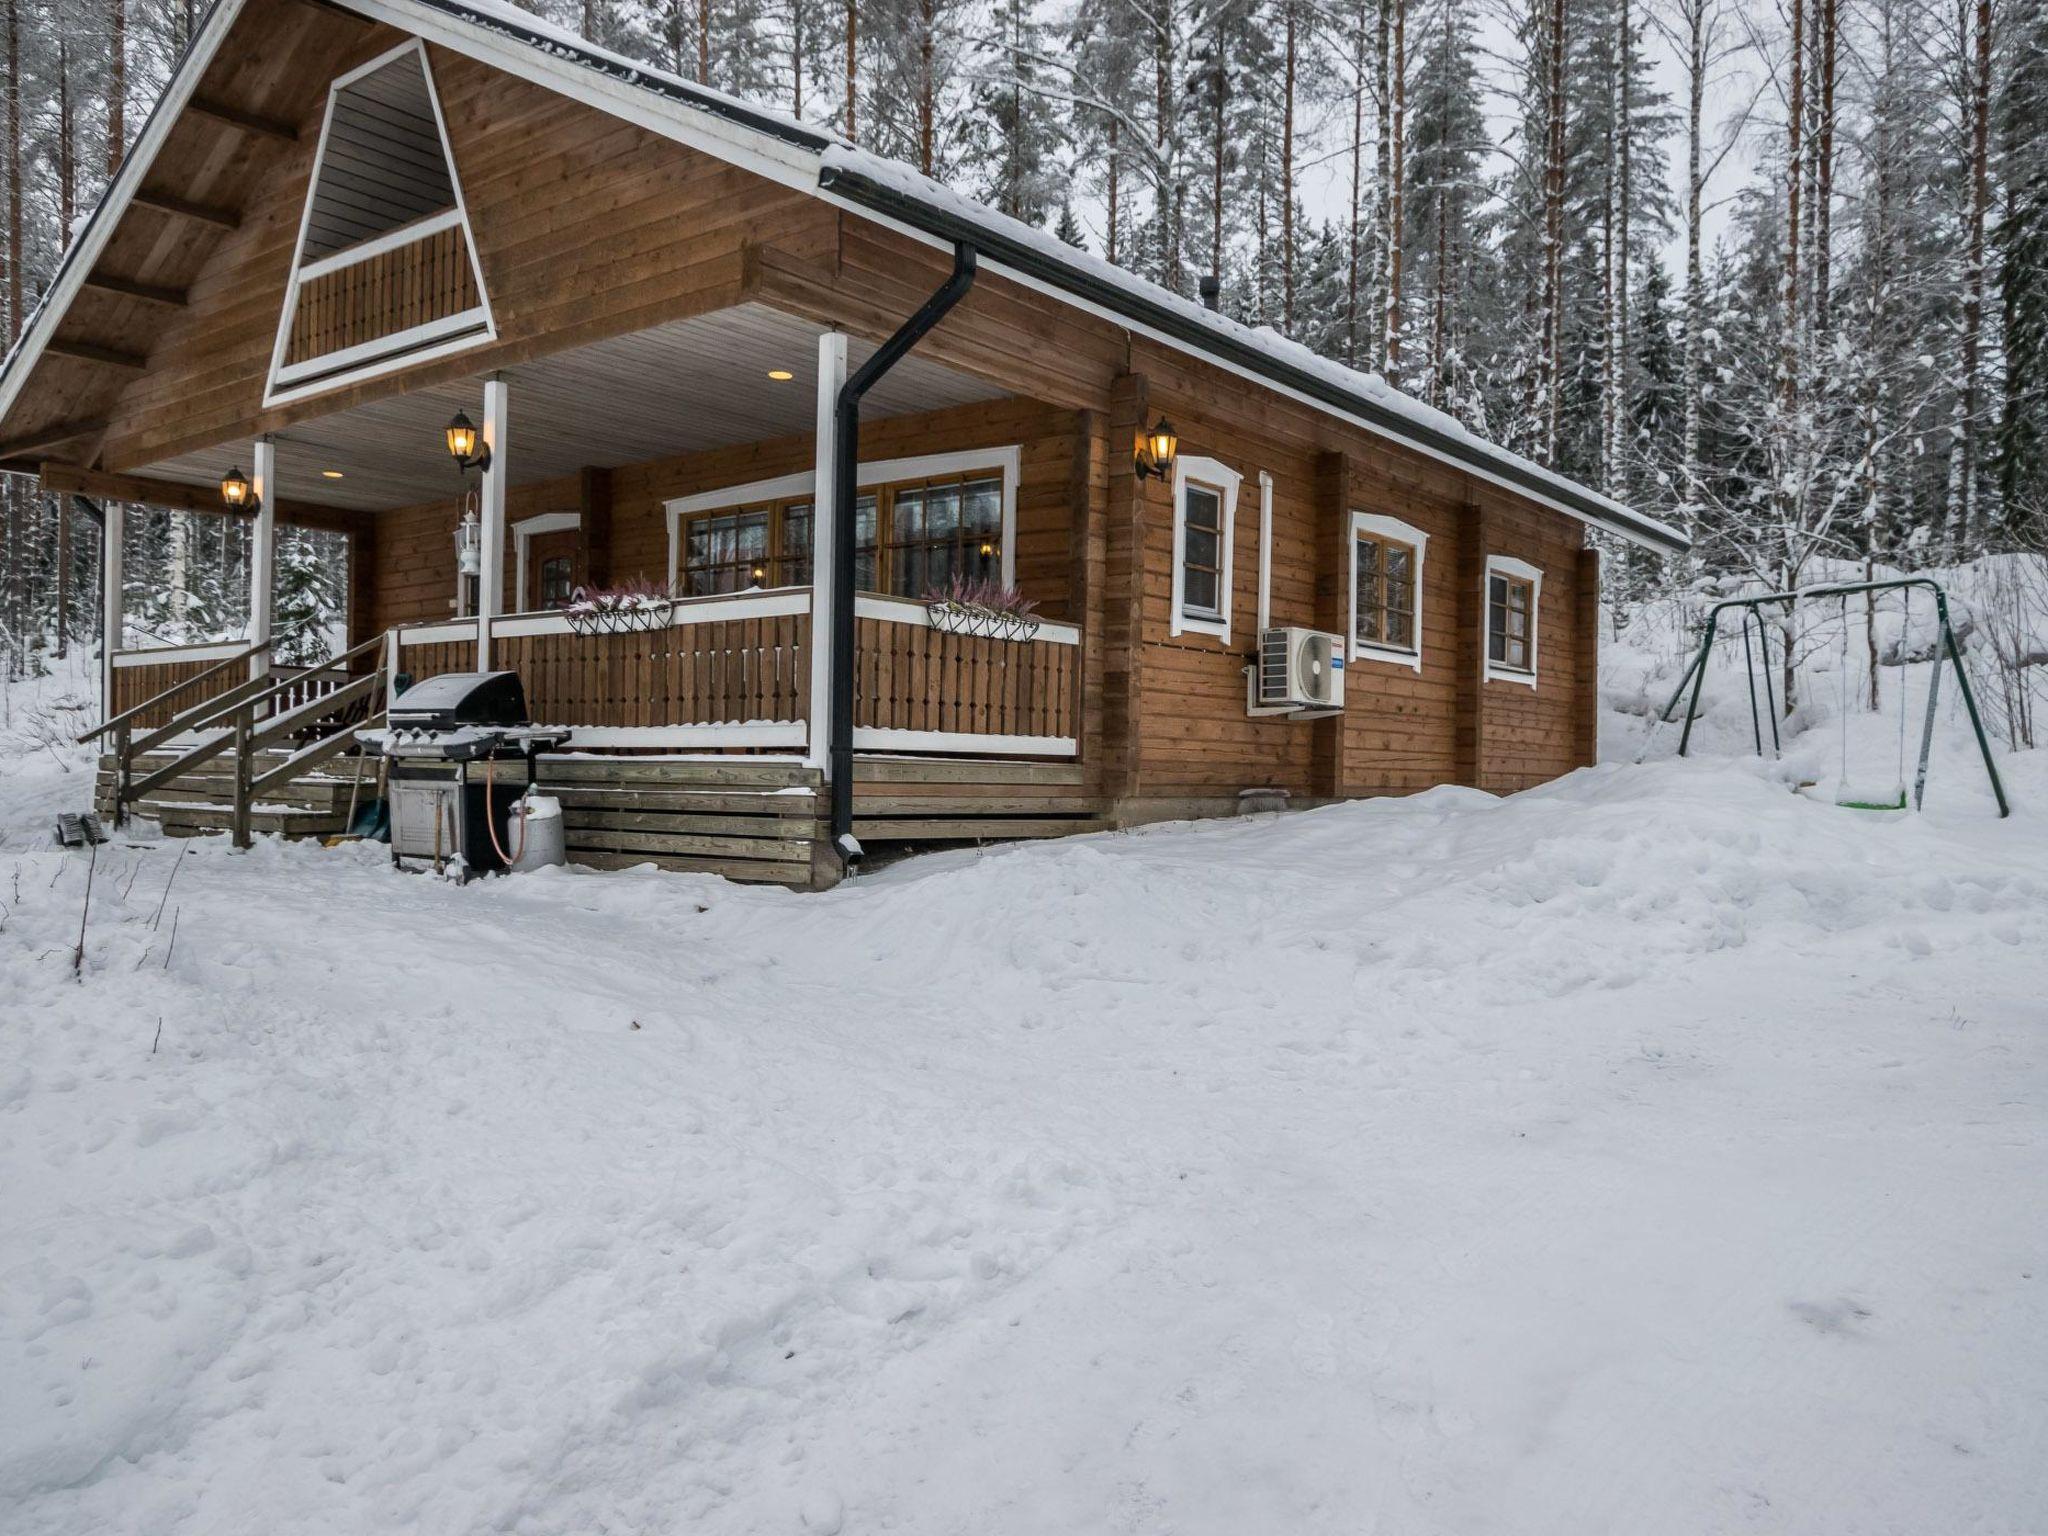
{"points": [[1014, 133], [1447, 225], [2022, 246], [309, 599]]}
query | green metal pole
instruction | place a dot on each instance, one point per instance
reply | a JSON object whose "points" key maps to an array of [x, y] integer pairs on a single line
{"points": [[1756, 728], [1763, 644], [1699, 678], [1948, 636]]}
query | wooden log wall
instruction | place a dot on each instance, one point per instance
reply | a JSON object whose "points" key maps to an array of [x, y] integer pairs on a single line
{"points": [[410, 285], [1195, 747], [912, 677]]}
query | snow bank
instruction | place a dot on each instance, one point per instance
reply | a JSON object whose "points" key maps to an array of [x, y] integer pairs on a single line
{"points": [[1658, 1151]]}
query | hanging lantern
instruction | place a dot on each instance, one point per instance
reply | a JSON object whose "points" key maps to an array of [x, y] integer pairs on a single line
{"points": [[465, 444], [235, 491], [1156, 450], [469, 544]]}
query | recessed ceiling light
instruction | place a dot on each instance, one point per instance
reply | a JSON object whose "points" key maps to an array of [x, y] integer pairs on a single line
{"points": [[780, 375], [331, 474]]}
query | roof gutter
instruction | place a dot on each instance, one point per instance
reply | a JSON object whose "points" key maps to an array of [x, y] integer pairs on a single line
{"points": [[1028, 260]]}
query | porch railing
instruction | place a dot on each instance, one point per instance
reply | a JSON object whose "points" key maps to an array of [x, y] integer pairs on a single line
{"points": [[317, 710], [153, 683], [733, 672]]}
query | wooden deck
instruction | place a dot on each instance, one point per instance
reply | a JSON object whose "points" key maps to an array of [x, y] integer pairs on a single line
{"points": [[754, 819]]}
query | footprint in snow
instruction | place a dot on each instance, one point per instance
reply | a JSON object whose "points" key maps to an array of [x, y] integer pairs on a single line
{"points": [[1838, 1317]]}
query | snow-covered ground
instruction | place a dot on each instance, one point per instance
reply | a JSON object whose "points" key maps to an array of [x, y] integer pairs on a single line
{"points": [[1659, 1151]]}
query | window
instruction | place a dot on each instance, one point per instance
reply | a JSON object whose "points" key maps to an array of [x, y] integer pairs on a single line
{"points": [[1386, 589], [1513, 588], [1202, 551], [555, 580], [793, 546], [943, 530], [726, 552], [1204, 518], [912, 537]]}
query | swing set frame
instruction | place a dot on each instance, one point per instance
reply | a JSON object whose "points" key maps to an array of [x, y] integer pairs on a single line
{"points": [[1695, 675]]}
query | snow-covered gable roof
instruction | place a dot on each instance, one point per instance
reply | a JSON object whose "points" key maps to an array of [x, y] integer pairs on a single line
{"points": [[813, 159]]}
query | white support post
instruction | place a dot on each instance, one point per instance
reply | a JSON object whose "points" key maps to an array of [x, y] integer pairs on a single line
{"points": [[831, 376], [1265, 551], [263, 552], [113, 620], [490, 586]]}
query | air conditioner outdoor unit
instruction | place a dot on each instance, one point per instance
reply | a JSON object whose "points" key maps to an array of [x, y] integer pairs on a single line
{"points": [[1298, 671]]}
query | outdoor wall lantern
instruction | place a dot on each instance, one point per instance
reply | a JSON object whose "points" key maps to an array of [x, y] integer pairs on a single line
{"points": [[469, 544], [1156, 450], [234, 490], [465, 446]]}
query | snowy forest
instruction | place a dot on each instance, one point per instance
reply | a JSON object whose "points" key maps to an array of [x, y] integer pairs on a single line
{"points": [[1775, 270]]}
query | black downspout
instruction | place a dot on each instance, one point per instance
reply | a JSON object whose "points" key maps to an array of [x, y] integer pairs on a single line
{"points": [[845, 492]]}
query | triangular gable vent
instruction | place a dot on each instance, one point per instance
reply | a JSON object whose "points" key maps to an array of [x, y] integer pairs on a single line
{"points": [[386, 272]]}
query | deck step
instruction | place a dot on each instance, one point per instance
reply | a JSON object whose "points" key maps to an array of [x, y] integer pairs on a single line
{"points": [[185, 820]]}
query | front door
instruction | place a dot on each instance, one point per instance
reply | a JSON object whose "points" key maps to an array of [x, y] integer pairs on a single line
{"points": [[553, 570]]}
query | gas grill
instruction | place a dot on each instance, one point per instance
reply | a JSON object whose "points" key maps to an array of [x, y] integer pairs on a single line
{"points": [[436, 734]]}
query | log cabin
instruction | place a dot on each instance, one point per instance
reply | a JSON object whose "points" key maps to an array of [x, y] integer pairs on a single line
{"points": [[526, 320]]}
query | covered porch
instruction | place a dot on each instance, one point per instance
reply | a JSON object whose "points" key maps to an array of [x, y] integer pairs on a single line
{"points": [[689, 463]]}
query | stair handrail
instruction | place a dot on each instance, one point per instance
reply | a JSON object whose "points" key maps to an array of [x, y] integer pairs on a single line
{"points": [[128, 715], [237, 708], [260, 690]]}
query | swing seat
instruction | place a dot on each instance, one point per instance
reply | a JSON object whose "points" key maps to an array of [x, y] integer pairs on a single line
{"points": [[1870, 797]]}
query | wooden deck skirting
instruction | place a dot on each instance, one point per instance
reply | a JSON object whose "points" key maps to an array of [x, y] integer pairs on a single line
{"points": [[754, 819]]}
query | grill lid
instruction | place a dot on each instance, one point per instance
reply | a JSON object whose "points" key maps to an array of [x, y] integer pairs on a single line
{"points": [[452, 699]]}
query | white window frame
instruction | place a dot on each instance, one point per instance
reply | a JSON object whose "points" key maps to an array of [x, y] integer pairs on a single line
{"points": [[1385, 527], [474, 327], [523, 532], [1522, 570], [1006, 461], [1215, 474]]}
